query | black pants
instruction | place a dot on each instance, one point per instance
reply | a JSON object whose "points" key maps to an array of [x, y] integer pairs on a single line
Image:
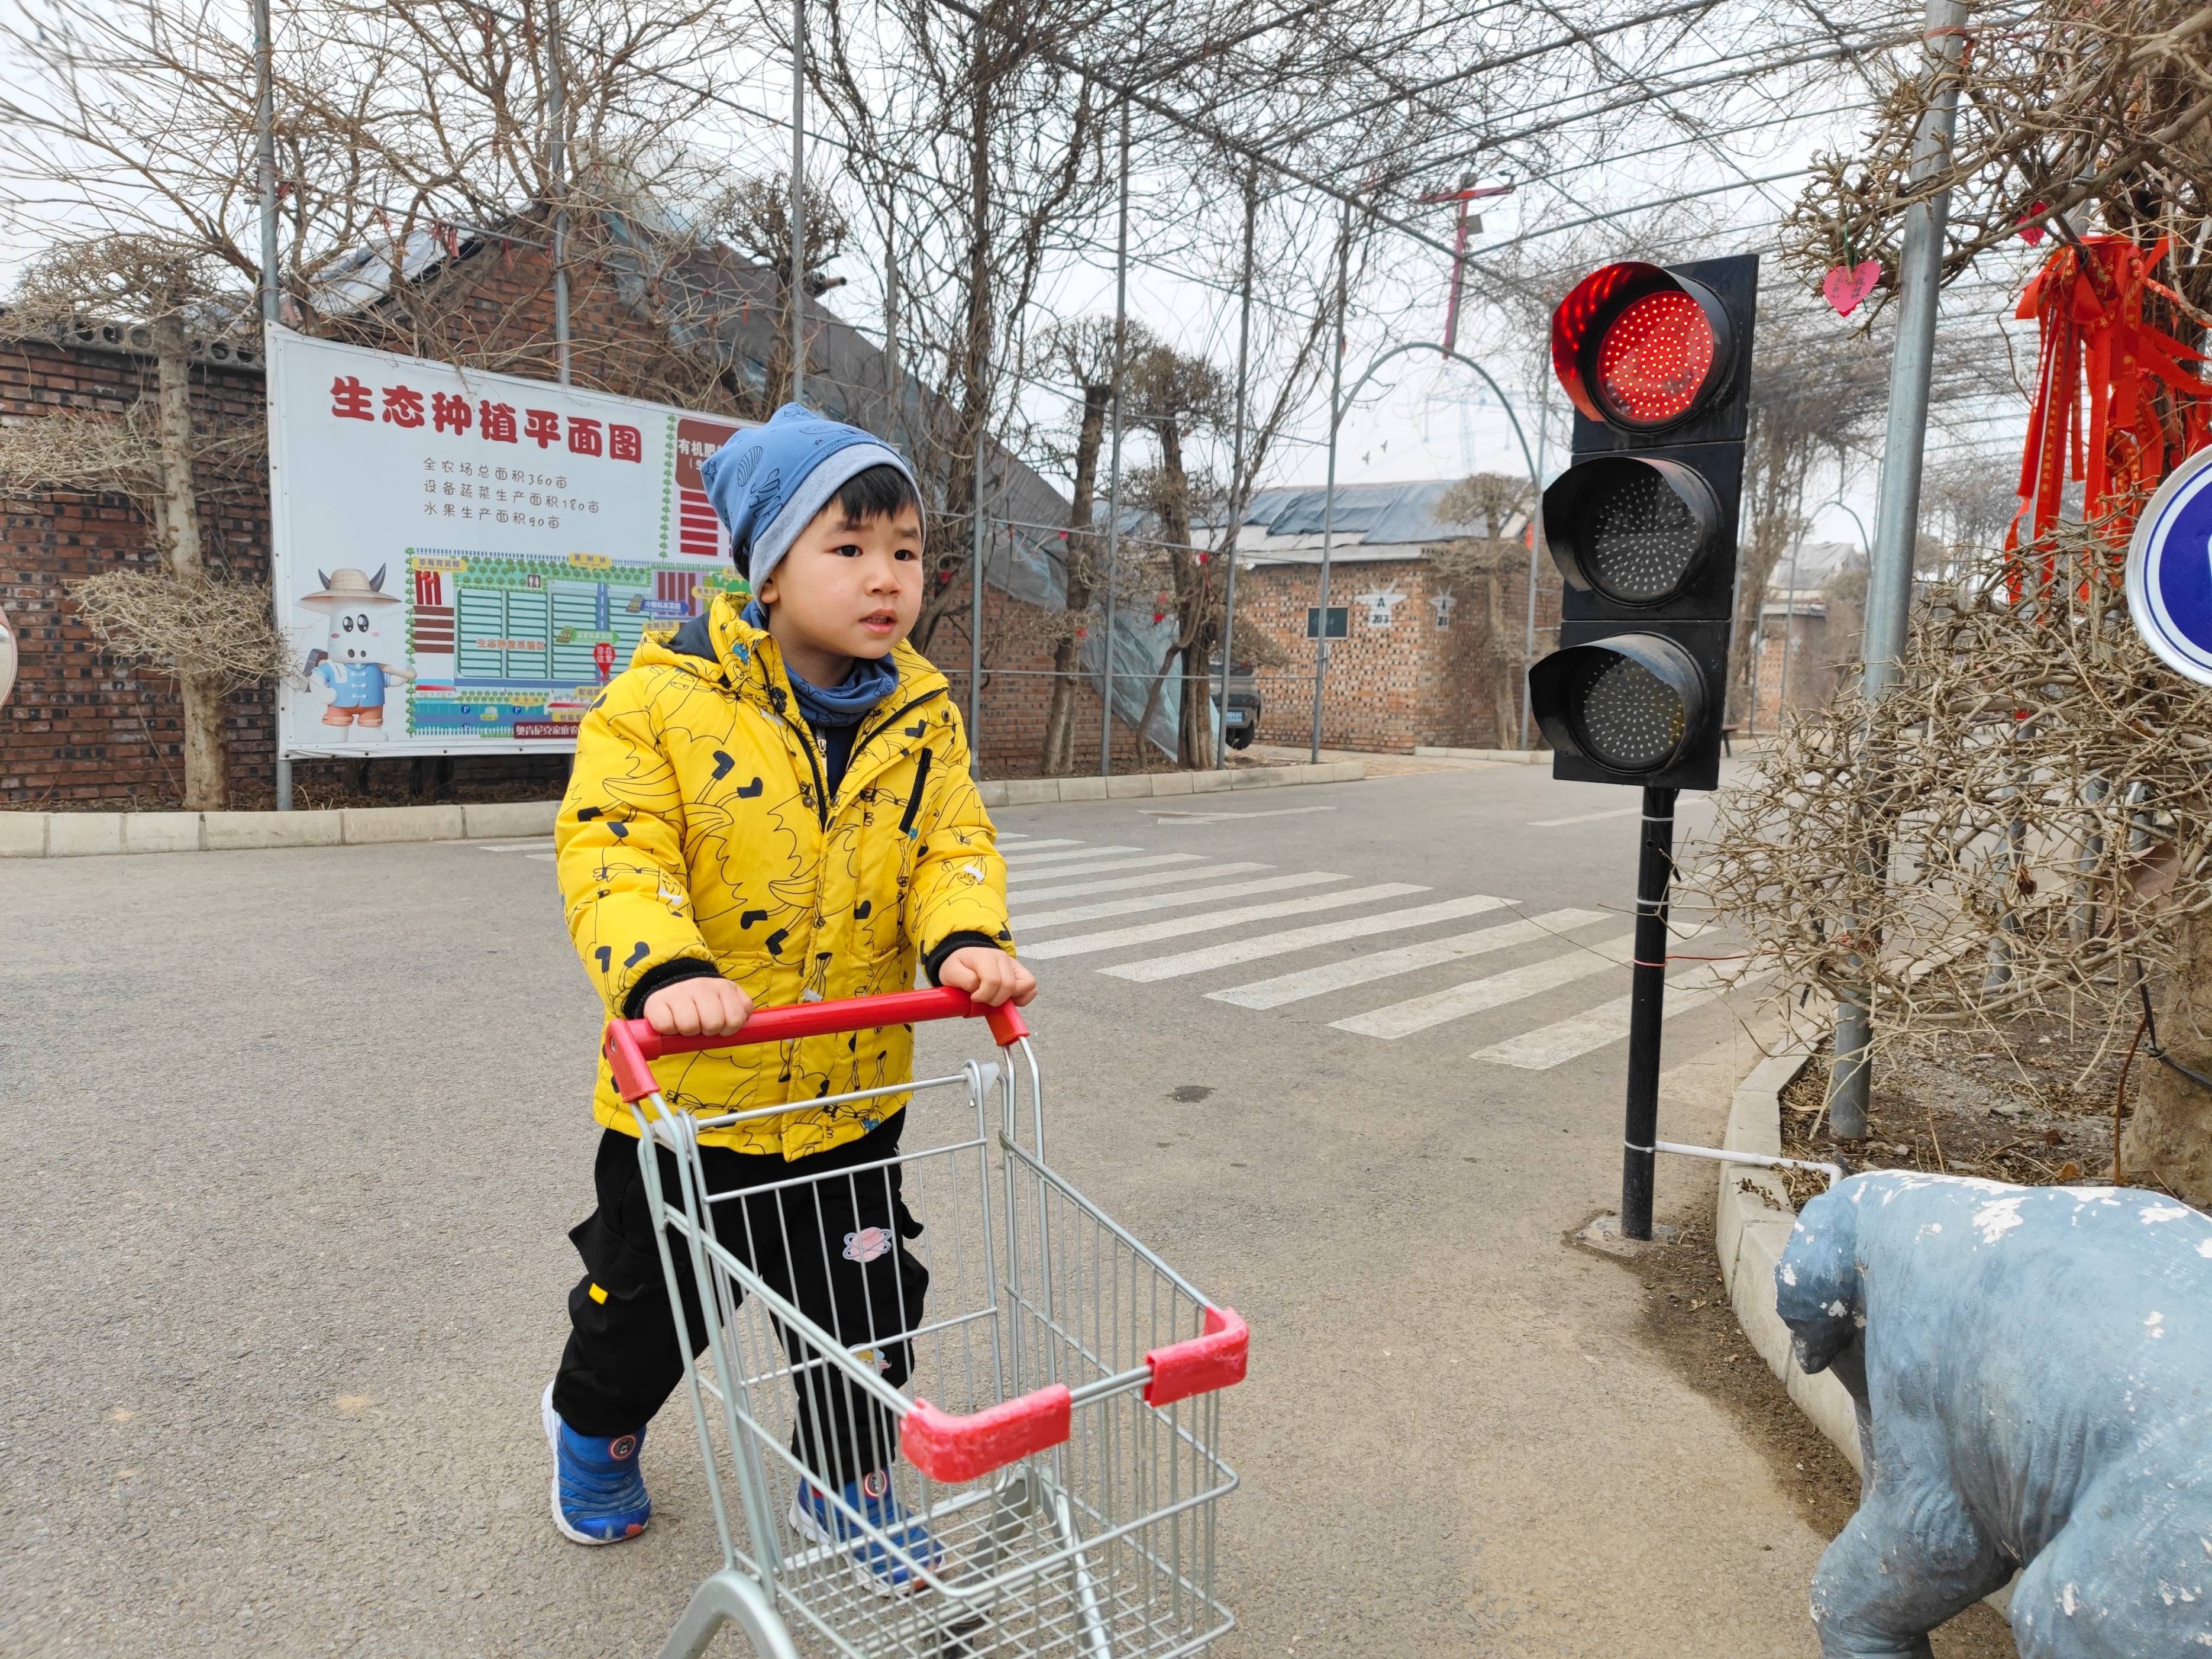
{"points": [[835, 1248]]}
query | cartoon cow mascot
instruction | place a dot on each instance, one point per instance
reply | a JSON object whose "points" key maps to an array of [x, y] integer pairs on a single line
{"points": [[2033, 1369], [362, 656]]}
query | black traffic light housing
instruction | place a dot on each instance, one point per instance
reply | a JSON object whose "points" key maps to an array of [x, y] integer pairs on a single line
{"points": [[1656, 361]]}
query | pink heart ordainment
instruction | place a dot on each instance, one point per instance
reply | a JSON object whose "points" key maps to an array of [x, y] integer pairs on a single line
{"points": [[2030, 226], [1846, 285]]}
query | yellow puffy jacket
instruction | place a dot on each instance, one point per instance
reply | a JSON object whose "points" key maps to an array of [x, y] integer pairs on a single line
{"points": [[696, 826]]}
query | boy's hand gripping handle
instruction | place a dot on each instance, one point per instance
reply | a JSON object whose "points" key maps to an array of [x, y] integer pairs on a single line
{"points": [[632, 1045]]}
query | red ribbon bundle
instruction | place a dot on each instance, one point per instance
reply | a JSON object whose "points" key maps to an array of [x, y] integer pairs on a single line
{"points": [[2088, 302]]}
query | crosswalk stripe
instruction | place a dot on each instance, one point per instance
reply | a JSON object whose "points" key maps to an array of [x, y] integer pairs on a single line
{"points": [[1103, 866], [1384, 964], [543, 858], [1168, 901], [1593, 1029], [1299, 938], [1025, 859], [511, 846], [1083, 944], [1472, 996], [1130, 883], [1039, 847]]}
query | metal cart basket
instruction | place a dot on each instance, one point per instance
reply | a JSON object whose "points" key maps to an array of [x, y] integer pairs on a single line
{"points": [[1052, 1397]]}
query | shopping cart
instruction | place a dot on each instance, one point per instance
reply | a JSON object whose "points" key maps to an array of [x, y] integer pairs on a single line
{"points": [[1052, 1398]]}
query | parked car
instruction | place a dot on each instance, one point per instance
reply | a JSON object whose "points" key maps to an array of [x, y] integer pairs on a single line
{"points": [[1239, 723]]}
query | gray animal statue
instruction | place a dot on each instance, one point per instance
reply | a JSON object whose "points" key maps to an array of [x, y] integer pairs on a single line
{"points": [[2033, 1369]]}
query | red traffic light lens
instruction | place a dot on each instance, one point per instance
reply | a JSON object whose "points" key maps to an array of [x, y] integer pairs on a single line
{"points": [[1640, 347], [1653, 362]]}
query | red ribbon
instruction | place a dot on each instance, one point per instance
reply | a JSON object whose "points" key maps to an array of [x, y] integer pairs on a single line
{"points": [[2147, 411]]}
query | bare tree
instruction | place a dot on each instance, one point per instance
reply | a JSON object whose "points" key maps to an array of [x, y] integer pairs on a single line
{"points": [[754, 215], [1816, 391], [401, 130], [2069, 113], [1177, 395], [968, 127], [1081, 351], [1501, 503], [150, 455]]}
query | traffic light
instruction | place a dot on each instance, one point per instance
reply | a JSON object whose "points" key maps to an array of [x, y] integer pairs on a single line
{"points": [[1656, 360]]}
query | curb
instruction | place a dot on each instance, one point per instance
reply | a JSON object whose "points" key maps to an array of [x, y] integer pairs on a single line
{"points": [[1509, 756], [1750, 1234], [83, 835], [1136, 786], [89, 834]]}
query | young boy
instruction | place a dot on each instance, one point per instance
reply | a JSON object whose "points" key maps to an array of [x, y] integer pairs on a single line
{"points": [[772, 807]]}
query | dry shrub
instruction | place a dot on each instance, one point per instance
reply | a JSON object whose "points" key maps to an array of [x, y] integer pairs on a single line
{"points": [[191, 624], [2003, 845]]}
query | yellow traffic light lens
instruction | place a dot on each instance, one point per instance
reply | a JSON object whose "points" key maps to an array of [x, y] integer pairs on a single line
{"points": [[1642, 536]]}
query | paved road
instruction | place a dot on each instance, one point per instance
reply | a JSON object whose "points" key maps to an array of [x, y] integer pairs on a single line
{"points": [[297, 1135]]}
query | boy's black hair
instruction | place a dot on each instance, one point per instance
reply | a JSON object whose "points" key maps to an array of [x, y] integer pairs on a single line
{"points": [[880, 492]]}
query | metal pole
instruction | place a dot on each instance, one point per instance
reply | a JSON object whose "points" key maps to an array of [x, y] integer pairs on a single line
{"points": [[1328, 497], [265, 151], [976, 624], [891, 302], [1736, 610], [1114, 470], [1889, 563], [1757, 652], [799, 215], [556, 120], [1788, 633], [1536, 535], [1646, 999], [1236, 456]]}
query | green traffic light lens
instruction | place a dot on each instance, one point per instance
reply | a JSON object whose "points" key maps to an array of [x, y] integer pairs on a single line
{"points": [[1627, 718], [1642, 538]]}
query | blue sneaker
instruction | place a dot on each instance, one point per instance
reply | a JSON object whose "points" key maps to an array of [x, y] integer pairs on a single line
{"points": [[813, 1517], [598, 1496]]}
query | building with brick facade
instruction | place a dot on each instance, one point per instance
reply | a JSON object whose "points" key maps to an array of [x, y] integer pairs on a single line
{"points": [[1423, 650]]}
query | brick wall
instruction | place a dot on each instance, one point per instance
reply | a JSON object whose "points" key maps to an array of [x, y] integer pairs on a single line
{"points": [[1421, 662], [81, 729], [78, 726]]}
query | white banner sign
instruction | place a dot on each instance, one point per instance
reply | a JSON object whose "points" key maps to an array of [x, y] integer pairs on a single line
{"points": [[463, 558]]}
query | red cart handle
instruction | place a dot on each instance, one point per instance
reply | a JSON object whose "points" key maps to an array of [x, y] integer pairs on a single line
{"points": [[632, 1044], [1202, 1364], [951, 1449]]}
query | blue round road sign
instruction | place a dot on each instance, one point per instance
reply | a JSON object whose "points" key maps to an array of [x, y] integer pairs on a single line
{"points": [[2170, 570]]}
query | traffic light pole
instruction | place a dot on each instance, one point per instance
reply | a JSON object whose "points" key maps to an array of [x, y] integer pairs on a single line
{"points": [[1647, 997]]}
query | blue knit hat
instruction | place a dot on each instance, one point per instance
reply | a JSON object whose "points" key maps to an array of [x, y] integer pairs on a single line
{"points": [[768, 481]]}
